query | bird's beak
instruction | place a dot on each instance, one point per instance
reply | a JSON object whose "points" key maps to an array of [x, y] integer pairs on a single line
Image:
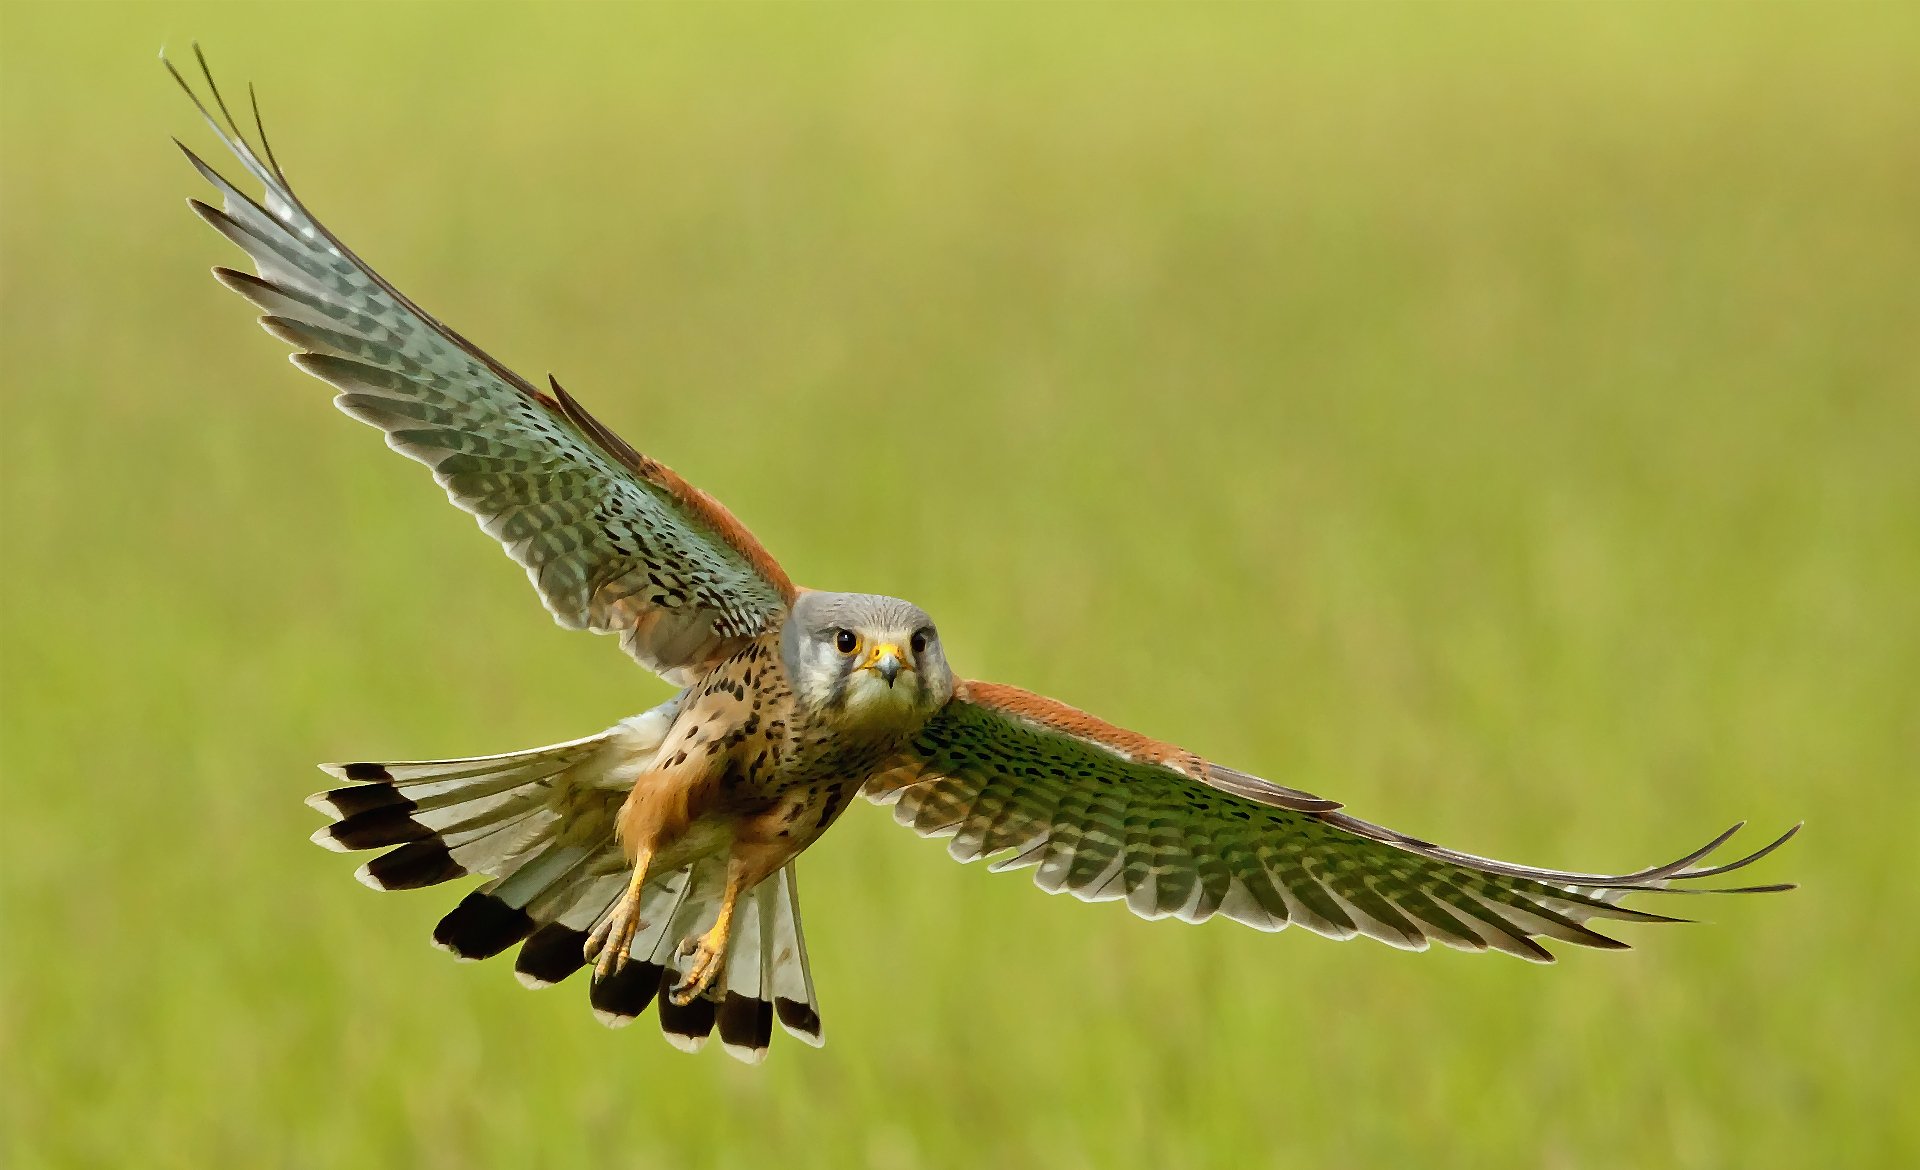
{"points": [[887, 659]]}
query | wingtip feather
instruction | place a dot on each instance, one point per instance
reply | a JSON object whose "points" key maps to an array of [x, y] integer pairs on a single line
{"points": [[324, 838], [287, 331]]}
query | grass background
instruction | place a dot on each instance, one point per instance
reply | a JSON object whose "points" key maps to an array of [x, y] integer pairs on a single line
{"points": [[1502, 419]]}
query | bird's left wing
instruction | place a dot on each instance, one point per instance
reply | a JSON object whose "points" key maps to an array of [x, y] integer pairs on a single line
{"points": [[613, 541], [1108, 814]]}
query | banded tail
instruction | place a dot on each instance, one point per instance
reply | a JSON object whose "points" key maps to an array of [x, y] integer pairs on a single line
{"points": [[539, 825]]}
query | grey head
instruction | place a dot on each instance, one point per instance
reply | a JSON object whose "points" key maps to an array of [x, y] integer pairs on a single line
{"points": [[866, 660]]}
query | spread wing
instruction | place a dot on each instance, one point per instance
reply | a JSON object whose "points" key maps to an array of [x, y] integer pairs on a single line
{"points": [[1105, 813], [613, 541]]}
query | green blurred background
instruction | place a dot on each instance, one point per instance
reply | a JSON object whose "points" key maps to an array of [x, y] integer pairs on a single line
{"points": [[1502, 419]]}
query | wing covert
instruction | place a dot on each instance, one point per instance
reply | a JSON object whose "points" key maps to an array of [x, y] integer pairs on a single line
{"points": [[1107, 814], [613, 541]]}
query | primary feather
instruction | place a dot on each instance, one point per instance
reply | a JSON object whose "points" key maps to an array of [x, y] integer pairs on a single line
{"points": [[1106, 814], [613, 541]]}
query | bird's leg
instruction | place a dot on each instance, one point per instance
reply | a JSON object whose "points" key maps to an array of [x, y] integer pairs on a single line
{"points": [[747, 866], [710, 953], [608, 944]]}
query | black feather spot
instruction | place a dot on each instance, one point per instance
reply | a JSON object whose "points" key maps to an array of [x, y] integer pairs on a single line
{"points": [[745, 1022], [551, 953], [361, 797], [693, 1020], [367, 772], [378, 827], [412, 866], [482, 926], [798, 1017], [627, 992]]}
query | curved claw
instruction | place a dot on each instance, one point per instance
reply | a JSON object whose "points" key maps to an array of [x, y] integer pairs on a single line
{"points": [[707, 962], [608, 946]]}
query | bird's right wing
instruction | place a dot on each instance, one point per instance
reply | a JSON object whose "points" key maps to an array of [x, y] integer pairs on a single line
{"points": [[613, 541], [1105, 813]]}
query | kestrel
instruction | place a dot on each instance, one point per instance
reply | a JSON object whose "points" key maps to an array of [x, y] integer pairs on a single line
{"points": [[662, 849]]}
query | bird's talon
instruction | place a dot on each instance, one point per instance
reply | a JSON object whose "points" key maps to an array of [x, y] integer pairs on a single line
{"points": [[610, 943], [700, 976], [596, 941]]}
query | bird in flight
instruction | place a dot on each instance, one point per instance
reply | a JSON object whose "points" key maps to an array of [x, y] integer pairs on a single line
{"points": [[661, 851]]}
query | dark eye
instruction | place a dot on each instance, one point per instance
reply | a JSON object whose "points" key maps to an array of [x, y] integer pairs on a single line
{"points": [[846, 641], [919, 642]]}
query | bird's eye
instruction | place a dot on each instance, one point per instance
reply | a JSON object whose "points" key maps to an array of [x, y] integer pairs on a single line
{"points": [[919, 642], [846, 641]]}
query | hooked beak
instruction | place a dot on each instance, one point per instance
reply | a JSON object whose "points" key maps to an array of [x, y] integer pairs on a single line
{"points": [[887, 660]]}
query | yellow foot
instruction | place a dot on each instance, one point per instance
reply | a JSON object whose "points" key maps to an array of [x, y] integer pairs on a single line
{"points": [[709, 957], [607, 946]]}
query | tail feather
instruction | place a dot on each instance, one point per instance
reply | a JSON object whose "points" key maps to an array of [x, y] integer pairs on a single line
{"points": [[744, 1017], [766, 975], [493, 849], [454, 801], [550, 954], [429, 782], [557, 949], [503, 912], [794, 999], [480, 927], [624, 996], [686, 1026], [539, 825], [579, 894]]}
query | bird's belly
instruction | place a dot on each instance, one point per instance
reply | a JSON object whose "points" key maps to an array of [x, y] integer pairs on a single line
{"points": [[707, 836]]}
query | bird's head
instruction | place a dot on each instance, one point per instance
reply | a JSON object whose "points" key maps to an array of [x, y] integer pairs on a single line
{"points": [[865, 660]]}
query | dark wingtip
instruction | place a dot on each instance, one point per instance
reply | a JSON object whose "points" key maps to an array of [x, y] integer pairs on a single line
{"points": [[481, 926], [746, 1024], [377, 827], [173, 69], [1601, 942], [623, 996], [260, 128], [411, 867], [687, 1025], [342, 803], [1749, 859], [550, 955], [799, 1018], [1770, 888], [213, 87]]}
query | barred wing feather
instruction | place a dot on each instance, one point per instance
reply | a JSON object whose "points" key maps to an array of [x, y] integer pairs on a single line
{"points": [[613, 541], [1107, 814]]}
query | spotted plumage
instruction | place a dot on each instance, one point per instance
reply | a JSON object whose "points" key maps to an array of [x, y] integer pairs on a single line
{"points": [[662, 850]]}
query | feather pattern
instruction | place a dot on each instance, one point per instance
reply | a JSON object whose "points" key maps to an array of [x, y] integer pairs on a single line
{"points": [[1107, 814], [539, 825], [613, 541]]}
